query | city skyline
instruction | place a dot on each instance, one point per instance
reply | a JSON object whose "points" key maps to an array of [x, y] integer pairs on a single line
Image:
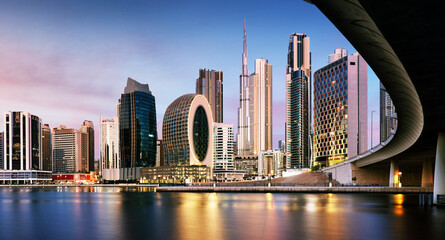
{"points": [[69, 61]]}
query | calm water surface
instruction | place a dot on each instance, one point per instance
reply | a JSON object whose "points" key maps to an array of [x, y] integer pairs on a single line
{"points": [[139, 213]]}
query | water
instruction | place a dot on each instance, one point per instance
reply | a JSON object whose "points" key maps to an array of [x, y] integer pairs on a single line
{"points": [[139, 213]]}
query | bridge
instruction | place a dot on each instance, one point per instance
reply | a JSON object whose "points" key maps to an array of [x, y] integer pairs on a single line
{"points": [[402, 41]]}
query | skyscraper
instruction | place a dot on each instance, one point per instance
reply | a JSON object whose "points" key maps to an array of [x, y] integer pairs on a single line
{"points": [[340, 110], [1, 150], [187, 132], [298, 102], [243, 140], [137, 126], [210, 84], [388, 117], [109, 143], [46, 148], [261, 106], [88, 128], [23, 135], [67, 150], [222, 147]]}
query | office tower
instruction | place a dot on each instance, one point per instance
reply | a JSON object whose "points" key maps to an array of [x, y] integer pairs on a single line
{"points": [[244, 147], [109, 143], [67, 150], [339, 53], [87, 127], [1, 150], [222, 147], [137, 126], [159, 153], [187, 132], [341, 110], [46, 148], [388, 116], [210, 84], [261, 106], [23, 135], [298, 103]]}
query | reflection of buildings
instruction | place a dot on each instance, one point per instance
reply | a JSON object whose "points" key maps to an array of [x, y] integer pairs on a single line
{"points": [[88, 128], [137, 126], [340, 110], [388, 117], [261, 106], [210, 84], [298, 103], [187, 132], [46, 148]]}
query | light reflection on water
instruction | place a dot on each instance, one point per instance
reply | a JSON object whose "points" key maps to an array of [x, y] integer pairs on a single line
{"points": [[141, 213]]}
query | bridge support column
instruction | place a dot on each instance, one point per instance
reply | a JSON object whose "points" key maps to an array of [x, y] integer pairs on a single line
{"points": [[427, 173], [439, 172], [394, 174]]}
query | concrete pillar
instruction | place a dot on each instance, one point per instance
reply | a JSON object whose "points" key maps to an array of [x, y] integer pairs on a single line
{"points": [[394, 174], [439, 171], [427, 173]]}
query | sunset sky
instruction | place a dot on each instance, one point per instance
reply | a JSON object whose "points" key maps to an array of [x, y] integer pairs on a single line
{"points": [[68, 61]]}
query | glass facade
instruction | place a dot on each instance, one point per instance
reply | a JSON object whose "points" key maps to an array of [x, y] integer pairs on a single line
{"points": [[137, 129], [200, 133]]}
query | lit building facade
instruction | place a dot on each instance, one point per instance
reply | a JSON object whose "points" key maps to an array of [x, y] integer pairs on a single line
{"points": [[87, 127], [222, 147], [109, 144], [388, 116], [210, 84], [187, 132], [46, 148], [1, 150], [22, 141], [270, 163], [261, 106], [340, 110], [298, 103], [243, 138], [137, 126]]}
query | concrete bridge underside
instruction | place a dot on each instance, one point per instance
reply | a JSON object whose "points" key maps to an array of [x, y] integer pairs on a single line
{"points": [[402, 41]]}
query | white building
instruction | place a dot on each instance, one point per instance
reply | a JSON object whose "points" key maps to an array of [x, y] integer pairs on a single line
{"points": [[271, 162], [109, 147], [222, 147]]}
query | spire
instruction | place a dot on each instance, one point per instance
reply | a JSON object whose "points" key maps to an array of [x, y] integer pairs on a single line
{"points": [[245, 71]]}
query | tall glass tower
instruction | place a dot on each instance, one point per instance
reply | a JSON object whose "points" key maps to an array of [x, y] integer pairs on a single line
{"points": [[298, 103], [137, 126]]}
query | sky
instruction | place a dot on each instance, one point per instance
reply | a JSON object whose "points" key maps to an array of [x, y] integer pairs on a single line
{"points": [[68, 61]]}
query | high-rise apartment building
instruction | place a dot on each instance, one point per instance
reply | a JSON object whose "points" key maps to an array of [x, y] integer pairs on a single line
{"points": [[46, 148], [243, 140], [187, 132], [340, 110], [261, 106], [109, 144], [222, 147], [67, 150], [137, 126], [1, 150], [298, 103], [22, 144], [210, 84], [388, 116], [88, 160], [339, 53]]}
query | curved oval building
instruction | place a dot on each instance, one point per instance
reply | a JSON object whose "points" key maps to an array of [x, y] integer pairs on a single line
{"points": [[187, 131]]}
